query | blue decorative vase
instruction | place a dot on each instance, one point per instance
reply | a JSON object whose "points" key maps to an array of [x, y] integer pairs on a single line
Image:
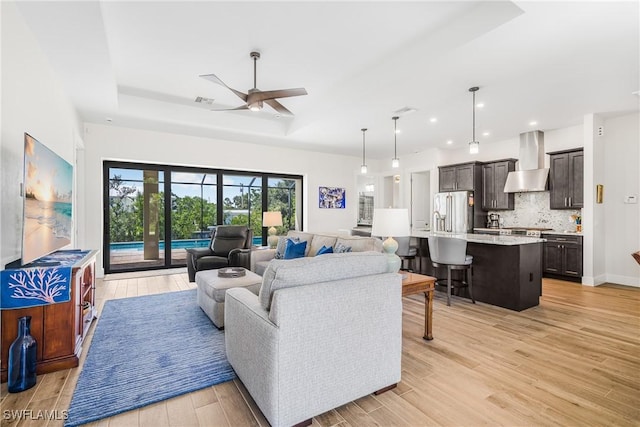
{"points": [[22, 358]]}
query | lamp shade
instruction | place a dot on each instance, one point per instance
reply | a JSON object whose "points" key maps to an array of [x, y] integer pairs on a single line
{"points": [[390, 223], [272, 219]]}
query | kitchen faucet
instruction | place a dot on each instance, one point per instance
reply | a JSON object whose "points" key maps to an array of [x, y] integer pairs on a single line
{"points": [[438, 221]]}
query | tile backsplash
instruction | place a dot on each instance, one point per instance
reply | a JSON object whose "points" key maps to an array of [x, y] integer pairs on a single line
{"points": [[532, 210]]}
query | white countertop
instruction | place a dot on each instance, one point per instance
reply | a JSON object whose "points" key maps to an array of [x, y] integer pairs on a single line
{"points": [[571, 233], [497, 230], [481, 238]]}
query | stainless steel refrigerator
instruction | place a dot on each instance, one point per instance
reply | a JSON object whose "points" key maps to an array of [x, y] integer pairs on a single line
{"points": [[453, 212]]}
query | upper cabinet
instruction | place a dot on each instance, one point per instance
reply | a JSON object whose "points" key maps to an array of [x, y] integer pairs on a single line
{"points": [[494, 176], [460, 177], [566, 179]]}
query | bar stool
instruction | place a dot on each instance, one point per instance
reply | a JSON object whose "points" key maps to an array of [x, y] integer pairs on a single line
{"points": [[406, 252], [451, 253]]}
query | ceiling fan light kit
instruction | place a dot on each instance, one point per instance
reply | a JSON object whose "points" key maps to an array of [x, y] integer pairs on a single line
{"points": [[363, 168], [255, 98], [474, 146], [395, 162]]}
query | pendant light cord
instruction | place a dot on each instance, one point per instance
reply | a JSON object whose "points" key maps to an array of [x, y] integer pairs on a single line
{"points": [[255, 61], [395, 137], [474, 116], [363, 158], [473, 91]]}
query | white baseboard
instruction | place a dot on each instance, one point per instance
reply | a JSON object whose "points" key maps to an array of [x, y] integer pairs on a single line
{"points": [[594, 281], [624, 280], [611, 278]]}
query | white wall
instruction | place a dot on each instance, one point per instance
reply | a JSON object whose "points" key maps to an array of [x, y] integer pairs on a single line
{"points": [[107, 142], [33, 101], [420, 213], [593, 218], [423, 162], [622, 178], [554, 140]]}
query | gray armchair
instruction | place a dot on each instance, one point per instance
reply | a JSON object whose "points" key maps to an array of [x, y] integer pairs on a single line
{"points": [[230, 246]]}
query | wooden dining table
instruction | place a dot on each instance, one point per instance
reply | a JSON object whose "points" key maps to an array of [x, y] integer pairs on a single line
{"points": [[415, 283]]}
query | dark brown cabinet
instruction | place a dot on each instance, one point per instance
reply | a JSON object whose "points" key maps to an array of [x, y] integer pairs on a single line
{"points": [[563, 256], [508, 276], [494, 176], [59, 329], [461, 177], [464, 177], [566, 179]]}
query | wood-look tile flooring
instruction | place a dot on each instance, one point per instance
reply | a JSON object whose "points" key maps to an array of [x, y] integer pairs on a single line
{"points": [[572, 361]]}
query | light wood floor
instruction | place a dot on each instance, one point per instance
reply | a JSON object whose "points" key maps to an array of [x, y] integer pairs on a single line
{"points": [[572, 361]]}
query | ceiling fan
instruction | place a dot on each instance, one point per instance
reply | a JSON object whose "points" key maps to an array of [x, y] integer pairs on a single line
{"points": [[255, 97]]}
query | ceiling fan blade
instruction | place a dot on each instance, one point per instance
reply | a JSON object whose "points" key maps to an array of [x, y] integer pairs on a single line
{"points": [[278, 107], [214, 79], [282, 93], [242, 107]]}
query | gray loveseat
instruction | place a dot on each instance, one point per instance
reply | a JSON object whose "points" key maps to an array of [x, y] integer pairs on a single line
{"points": [[260, 259], [322, 332]]}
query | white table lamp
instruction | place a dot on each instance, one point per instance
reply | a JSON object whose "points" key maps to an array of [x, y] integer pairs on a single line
{"points": [[272, 220], [391, 223]]}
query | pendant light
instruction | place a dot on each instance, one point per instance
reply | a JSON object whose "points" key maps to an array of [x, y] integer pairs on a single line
{"points": [[395, 162], [474, 146], [363, 168]]}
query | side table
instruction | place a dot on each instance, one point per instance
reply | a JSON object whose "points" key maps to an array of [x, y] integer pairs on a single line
{"points": [[415, 283]]}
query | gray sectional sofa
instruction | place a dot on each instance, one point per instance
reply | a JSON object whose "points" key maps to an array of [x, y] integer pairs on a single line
{"points": [[322, 332], [260, 258]]}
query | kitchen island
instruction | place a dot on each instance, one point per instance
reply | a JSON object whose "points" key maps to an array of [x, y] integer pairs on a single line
{"points": [[507, 270]]}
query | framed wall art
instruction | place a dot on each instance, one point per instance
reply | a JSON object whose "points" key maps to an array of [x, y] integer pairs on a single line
{"points": [[331, 198]]}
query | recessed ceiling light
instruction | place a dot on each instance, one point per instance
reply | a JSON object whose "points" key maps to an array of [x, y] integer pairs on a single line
{"points": [[485, 134], [449, 142], [533, 123], [480, 104], [433, 119], [109, 119], [398, 131]]}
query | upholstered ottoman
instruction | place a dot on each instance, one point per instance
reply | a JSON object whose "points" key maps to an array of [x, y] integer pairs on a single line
{"points": [[212, 289]]}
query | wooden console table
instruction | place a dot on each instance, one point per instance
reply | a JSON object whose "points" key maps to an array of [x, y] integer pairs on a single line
{"points": [[416, 283], [59, 329]]}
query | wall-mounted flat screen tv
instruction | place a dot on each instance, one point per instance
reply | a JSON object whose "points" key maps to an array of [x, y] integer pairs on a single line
{"points": [[48, 195]]}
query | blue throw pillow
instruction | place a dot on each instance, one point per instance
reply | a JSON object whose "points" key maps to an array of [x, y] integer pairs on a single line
{"points": [[325, 250], [294, 250], [282, 246], [340, 248]]}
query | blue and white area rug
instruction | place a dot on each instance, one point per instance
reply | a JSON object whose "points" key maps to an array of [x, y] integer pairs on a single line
{"points": [[147, 349]]}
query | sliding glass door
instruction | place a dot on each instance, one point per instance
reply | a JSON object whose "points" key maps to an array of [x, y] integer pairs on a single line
{"points": [[194, 201], [283, 197], [242, 195], [135, 218], [153, 213]]}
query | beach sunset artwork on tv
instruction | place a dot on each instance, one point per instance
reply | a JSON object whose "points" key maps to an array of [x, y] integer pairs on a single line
{"points": [[48, 191]]}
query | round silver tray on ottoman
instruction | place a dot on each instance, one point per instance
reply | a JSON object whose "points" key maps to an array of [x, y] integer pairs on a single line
{"points": [[232, 272]]}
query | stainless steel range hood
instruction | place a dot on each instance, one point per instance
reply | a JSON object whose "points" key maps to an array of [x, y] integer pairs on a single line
{"points": [[531, 174]]}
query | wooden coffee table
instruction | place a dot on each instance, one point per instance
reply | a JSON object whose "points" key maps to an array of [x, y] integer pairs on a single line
{"points": [[416, 283]]}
